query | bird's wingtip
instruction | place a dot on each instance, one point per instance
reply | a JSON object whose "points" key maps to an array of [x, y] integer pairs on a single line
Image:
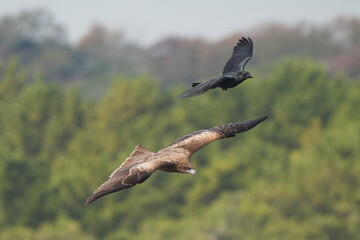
{"points": [[90, 199], [263, 118], [87, 202], [184, 95]]}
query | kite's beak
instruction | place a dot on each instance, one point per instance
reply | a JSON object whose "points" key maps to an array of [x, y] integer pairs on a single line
{"points": [[192, 171]]}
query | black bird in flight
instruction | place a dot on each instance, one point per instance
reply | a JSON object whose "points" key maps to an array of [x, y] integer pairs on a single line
{"points": [[175, 158], [233, 73]]}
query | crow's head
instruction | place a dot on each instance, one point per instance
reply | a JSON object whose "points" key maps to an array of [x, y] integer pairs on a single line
{"points": [[243, 75]]}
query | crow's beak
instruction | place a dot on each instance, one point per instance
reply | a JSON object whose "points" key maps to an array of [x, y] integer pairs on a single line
{"points": [[250, 76]]}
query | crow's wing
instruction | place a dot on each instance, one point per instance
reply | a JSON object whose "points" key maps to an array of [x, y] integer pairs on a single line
{"points": [[201, 87], [241, 55], [196, 140]]}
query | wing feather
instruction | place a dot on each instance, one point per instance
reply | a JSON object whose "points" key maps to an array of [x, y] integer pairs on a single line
{"points": [[231, 129], [242, 53], [196, 140], [138, 167], [125, 178], [200, 88], [139, 155]]}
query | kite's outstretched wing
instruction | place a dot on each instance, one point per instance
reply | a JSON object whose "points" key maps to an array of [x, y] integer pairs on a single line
{"points": [[125, 178], [135, 169], [196, 140]]}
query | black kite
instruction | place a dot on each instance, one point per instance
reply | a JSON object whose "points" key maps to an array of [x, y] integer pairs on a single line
{"points": [[174, 158]]}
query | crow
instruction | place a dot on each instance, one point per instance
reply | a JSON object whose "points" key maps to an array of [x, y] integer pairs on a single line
{"points": [[233, 73]]}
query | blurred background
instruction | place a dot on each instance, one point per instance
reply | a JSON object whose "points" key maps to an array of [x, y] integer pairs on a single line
{"points": [[81, 84]]}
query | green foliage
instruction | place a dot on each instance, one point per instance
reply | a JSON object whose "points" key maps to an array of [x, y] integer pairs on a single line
{"points": [[12, 80], [295, 176], [61, 229], [36, 126]]}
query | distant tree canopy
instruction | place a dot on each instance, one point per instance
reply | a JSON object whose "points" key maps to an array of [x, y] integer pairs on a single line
{"points": [[39, 43], [294, 177]]}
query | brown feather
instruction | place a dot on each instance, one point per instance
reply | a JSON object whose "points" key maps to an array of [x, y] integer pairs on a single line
{"points": [[139, 155], [124, 178], [175, 158]]}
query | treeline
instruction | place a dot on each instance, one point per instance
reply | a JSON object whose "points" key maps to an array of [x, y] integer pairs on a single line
{"points": [[40, 44], [293, 177]]}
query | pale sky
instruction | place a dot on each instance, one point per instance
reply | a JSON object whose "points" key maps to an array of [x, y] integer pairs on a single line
{"points": [[147, 21]]}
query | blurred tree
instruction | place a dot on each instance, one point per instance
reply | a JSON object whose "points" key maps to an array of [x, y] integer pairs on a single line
{"points": [[108, 53], [36, 25], [12, 80], [21, 34], [35, 127], [100, 42], [293, 177], [176, 60], [61, 229], [38, 42]]}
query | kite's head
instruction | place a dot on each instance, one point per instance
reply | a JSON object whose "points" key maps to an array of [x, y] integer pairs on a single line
{"points": [[188, 169]]}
